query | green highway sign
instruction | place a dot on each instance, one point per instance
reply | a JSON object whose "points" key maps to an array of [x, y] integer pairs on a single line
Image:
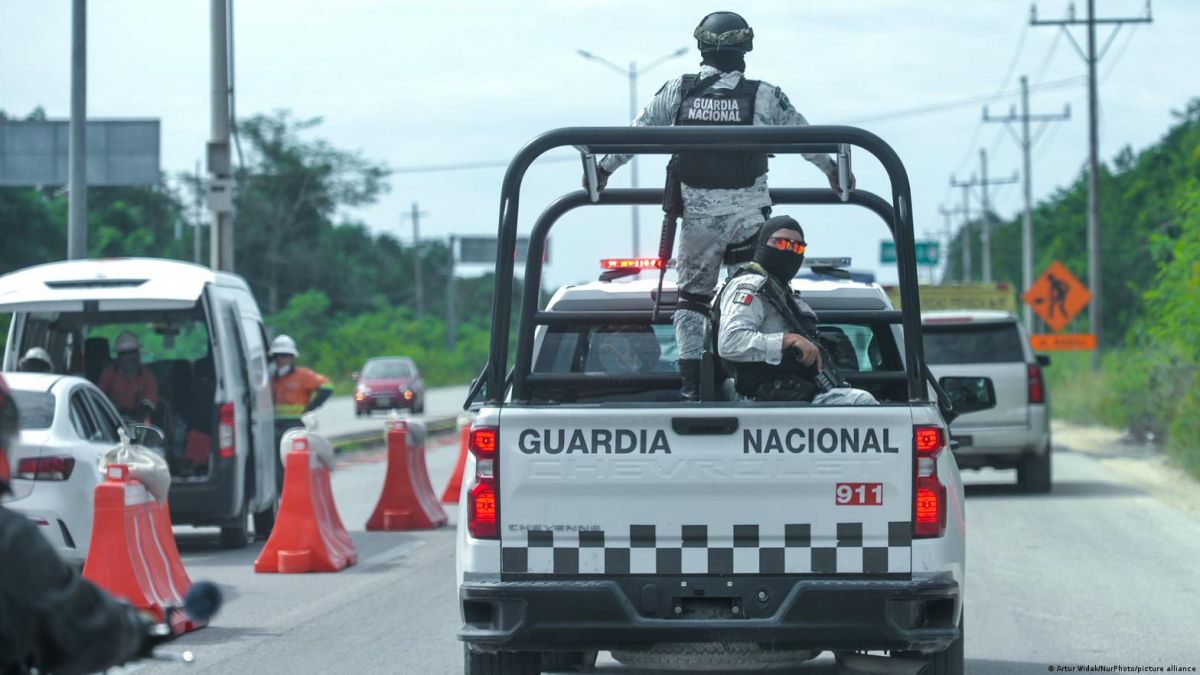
{"points": [[928, 252]]}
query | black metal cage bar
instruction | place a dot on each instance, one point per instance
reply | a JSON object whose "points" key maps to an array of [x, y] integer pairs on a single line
{"points": [[667, 140]]}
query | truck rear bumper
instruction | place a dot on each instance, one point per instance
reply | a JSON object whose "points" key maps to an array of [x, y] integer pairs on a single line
{"points": [[775, 612]]}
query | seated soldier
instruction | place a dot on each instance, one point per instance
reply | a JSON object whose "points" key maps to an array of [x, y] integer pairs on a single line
{"points": [[132, 388], [767, 336]]}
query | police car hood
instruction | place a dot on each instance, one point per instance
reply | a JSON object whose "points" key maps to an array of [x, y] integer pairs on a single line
{"points": [[592, 491]]}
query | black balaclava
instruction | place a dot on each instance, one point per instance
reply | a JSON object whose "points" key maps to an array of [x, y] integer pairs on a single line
{"points": [[783, 265], [724, 60]]}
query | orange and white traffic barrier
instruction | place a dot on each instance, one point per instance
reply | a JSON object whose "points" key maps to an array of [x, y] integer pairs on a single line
{"points": [[308, 534], [454, 485], [408, 501], [132, 553]]}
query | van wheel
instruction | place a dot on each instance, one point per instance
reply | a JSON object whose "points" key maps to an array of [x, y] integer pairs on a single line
{"points": [[236, 534], [501, 663], [264, 521], [1033, 475]]}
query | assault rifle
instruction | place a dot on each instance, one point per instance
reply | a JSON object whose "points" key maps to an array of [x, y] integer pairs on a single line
{"points": [[828, 377], [672, 211]]}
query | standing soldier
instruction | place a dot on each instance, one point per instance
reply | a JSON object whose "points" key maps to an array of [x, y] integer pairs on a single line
{"points": [[725, 194], [296, 391]]}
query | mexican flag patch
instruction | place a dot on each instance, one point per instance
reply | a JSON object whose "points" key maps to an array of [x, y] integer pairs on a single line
{"points": [[743, 298]]}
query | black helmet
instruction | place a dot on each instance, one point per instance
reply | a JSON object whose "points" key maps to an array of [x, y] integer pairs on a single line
{"points": [[721, 31]]}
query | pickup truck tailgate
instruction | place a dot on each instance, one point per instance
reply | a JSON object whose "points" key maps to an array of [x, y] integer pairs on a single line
{"points": [[705, 491]]}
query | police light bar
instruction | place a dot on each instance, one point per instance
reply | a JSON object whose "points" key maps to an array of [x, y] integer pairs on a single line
{"points": [[827, 262], [632, 263]]}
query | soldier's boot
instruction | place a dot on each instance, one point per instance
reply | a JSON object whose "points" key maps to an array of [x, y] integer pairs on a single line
{"points": [[690, 370]]}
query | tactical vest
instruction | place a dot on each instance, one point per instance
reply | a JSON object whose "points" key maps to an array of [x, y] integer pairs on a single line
{"points": [[748, 377], [705, 106]]}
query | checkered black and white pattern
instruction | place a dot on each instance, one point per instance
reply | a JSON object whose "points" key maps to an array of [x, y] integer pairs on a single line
{"points": [[698, 549]]}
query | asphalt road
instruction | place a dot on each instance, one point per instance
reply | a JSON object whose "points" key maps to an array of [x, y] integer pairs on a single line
{"points": [[1098, 572], [336, 417]]}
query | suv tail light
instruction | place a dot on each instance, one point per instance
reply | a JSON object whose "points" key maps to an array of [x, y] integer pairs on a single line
{"points": [[1037, 388], [45, 468], [226, 432], [483, 504], [929, 495]]}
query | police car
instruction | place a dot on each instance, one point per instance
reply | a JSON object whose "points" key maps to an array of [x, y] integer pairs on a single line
{"points": [[603, 514]]}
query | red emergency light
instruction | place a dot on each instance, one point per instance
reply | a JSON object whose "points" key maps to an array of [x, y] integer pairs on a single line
{"points": [[631, 263]]}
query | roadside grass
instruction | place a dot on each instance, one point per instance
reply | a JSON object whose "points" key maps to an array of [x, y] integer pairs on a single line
{"points": [[1154, 396]]}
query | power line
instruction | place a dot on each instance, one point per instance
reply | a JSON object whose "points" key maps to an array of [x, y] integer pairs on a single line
{"points": [[467, 166], [933, 108]]}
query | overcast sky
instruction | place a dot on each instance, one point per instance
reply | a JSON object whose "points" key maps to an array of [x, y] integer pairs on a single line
{"points": [[429, 83]]}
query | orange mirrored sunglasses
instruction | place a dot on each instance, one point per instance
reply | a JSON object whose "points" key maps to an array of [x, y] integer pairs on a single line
{"points": [[782, 244]]}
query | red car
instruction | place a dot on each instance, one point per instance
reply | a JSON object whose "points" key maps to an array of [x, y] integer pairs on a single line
{"points": [[388, 383]]}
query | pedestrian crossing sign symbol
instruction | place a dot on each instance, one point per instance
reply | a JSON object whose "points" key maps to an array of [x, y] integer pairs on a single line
{"points": [[1057, 296]]}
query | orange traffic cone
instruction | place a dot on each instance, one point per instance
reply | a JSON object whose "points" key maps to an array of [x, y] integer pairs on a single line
{"points": [[132, 553], [454, 485], [408, 501], [308, 534]]}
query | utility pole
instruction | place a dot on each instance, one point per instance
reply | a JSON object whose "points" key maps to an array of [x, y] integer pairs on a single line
{"points": [[965, 250], [968, 273], [77, 150], [418, 286], [220, 184], [198, 218], [632, 73], [451, 308], [1091, 59], [985, 206], [1026, 143]]}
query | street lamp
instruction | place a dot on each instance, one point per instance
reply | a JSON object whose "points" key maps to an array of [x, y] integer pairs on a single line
{"points": [[632, 73]]}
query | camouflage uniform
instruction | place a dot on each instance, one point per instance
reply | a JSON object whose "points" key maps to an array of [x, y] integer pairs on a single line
{"points": [[714, 218], [752, 332]]}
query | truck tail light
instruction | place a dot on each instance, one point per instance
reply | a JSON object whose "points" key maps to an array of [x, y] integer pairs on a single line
{"points": [[226, 432], [45, 468], [1037, 388], [483, 503], [929, 495]]}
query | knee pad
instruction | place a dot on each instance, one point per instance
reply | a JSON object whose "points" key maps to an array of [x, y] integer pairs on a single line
{"points": [[695, 302], [740, 252]]}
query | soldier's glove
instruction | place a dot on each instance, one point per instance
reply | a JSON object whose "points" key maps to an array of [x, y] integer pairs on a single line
{"points": [[833, 180], [602, 175]]}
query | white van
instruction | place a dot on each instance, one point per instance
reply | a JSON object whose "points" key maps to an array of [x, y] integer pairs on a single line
{"points": [[201, 337]]}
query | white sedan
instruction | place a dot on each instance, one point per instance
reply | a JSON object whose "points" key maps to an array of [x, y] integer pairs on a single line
{"points": [[66, 425]]}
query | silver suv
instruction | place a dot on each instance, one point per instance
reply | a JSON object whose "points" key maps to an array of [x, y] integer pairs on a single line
{"points": [[1013, 429]]}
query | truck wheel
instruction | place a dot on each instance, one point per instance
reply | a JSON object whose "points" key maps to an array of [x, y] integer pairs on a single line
{"points": [[949, 661], [501, 663], [577, 662], [1033, 475]]}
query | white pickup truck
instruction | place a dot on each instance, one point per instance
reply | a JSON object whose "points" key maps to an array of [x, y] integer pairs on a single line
{"points": [[603, 514]]}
